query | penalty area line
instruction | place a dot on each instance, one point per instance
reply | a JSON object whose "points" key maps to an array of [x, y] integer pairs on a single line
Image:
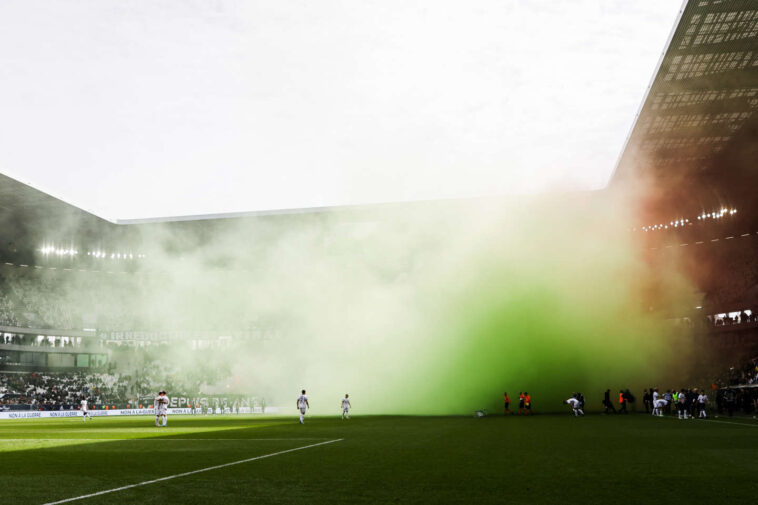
{"points": [[184, 474]]}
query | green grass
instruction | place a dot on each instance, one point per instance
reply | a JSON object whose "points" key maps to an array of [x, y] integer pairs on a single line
{"points": [[542, 459]]}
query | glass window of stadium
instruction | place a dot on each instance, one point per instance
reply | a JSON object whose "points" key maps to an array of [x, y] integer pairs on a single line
{"points": [[61, 360], [32, 359]]}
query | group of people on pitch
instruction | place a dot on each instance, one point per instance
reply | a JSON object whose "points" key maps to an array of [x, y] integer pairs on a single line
{"points": [[524, 404], [161, 410], [687, 402], [302, 405]]}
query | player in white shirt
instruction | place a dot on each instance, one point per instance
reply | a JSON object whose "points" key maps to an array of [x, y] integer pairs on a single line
{"points": [[658, 407], [655, 399], [161, 408], [302, 404], [85, 410], [346, 407], [576, 405], [702, 399]]}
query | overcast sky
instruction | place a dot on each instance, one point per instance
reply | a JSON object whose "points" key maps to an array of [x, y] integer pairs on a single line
{"points": [[135, 109]]}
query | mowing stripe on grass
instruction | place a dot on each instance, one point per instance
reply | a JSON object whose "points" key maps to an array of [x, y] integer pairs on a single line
{"points": [[161, 439], [184, 474]]}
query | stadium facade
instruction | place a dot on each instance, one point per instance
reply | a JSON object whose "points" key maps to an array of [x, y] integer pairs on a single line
{"points": [[693, 142]]}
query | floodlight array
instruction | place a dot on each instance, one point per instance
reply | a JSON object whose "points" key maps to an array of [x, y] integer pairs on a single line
{"points": [[682, 222], [71, 252], [662, 226], [115, 255], [55, 251], [717, 215]]}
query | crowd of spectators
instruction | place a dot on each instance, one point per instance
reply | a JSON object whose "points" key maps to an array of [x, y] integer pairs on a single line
{"points": [[35, 302], [735, 274], [745, 374], [150, 379], [34, 299], [744, 317], [7, 313], [62, 391], [35, 341]]}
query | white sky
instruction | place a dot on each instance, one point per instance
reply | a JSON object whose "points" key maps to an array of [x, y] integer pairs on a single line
{"points": [[135, 109]]}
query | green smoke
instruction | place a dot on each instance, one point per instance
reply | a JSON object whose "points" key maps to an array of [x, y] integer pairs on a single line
{"points": [[439, 311], [415, 309]]}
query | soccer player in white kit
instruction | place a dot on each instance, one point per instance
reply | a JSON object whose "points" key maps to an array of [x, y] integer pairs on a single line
{"points": [[655, 402], [161, 408], [658, 407], [702, 399], [346, 407], [85, 410], [576, 405], [302, 404]]}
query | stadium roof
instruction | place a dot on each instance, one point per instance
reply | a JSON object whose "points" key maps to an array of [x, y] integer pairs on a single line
{"points": [[703, 98], [698, 110], [19, 199], [161, 109]]}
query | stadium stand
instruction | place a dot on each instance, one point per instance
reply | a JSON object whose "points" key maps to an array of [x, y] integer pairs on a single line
{"points": [[64, 390], [61, 391]]}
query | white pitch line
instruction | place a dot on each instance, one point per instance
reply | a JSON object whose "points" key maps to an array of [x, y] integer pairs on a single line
{"points": [[715, 421], [731, 422], [176, 476]]}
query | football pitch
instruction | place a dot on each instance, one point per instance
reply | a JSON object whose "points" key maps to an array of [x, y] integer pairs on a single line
{"points": [[246, 459]]}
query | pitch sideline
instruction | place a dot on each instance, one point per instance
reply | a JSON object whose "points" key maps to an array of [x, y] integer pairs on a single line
{"points": [[708, 419], [184, 474]]}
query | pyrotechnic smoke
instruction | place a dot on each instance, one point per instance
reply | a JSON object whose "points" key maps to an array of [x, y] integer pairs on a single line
{"points": [[427, 309], [433, 308]]}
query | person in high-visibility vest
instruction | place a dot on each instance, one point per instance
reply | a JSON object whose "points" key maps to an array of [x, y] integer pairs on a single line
{"points": [[507, 403]]}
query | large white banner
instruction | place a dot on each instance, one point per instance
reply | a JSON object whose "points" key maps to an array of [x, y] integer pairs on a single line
{"points": [[34, 414]]}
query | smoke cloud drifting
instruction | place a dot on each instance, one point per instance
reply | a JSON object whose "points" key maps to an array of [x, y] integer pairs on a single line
{"points": [[425, 309]]}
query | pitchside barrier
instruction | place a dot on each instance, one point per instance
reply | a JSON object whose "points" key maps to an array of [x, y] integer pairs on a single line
{"points": [[27, 414]]}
